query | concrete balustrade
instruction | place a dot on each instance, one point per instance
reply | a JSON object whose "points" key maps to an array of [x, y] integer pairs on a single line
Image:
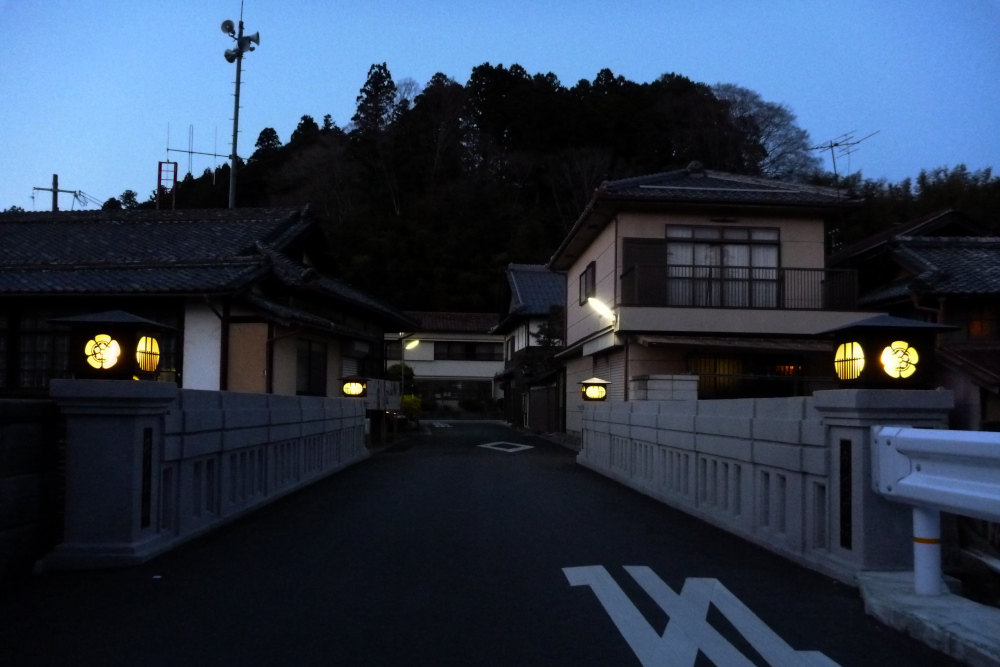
{"points": [[149, 466], [790, 474]]}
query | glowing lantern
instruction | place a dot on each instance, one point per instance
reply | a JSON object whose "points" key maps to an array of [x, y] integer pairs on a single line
{"points": [[896, 366], [147, 353], [595, 389], [102, 351], [899, 359], [116, 346], [849, 361], [355, 386]]}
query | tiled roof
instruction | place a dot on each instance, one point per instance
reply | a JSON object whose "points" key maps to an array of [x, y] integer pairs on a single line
{"points": [[112, 252], [164, 252], [956, 266], [948, 219], [298, 276], [535, 289], [694, 186], [702, 185], [287, 316], [455, 322], [175, 279], [86, 238]]}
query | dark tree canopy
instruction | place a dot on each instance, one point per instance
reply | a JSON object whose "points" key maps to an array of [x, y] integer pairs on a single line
{"points": [[306, 129], [268, 140], [430, 192]]}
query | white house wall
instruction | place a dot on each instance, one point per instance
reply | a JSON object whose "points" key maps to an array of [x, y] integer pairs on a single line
{"points": [[425, 367], [202, 363], [582, 321]]}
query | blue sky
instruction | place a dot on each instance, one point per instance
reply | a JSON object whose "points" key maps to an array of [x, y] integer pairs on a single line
{"points": [[90, 88]]}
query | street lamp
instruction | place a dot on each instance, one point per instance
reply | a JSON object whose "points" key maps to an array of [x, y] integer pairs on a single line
{"points": [[243, 44], [402, 366]]}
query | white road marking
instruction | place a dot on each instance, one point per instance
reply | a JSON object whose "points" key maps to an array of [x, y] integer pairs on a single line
{"points": [[688, 630], [440, 425], [507, 447]]}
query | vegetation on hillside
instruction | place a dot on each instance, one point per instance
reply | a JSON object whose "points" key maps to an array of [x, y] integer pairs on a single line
{"points": [[429, 192]]}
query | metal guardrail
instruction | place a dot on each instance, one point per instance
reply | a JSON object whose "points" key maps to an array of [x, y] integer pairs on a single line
{"points": [[738, 287], [953, 471], [935, 471]]}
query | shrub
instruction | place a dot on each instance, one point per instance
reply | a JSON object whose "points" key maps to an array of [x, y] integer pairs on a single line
{"points": [[411, 406]]}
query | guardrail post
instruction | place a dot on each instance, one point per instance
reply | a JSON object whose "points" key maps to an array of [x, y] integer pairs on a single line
{"points": [[926, 551]]}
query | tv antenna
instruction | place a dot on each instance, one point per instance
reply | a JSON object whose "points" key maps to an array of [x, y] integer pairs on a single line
{"points": [[190, 149], [839, 147]]}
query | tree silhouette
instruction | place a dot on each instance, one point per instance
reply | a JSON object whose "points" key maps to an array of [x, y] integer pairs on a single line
{"points": [[306, 129], [268, 140]]}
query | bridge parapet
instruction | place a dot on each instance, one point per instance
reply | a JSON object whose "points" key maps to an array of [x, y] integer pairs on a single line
{"points": [[791, 474], [150, 466]]}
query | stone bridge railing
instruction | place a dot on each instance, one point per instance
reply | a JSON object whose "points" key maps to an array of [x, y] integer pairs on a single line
{"points": [[150, 466], [790, 474]]}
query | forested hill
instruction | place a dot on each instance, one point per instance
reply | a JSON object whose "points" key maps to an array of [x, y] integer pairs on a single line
{"points": [[427, 194]]}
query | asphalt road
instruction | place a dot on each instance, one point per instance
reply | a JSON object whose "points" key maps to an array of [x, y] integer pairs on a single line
{"points": [[443, 552]]}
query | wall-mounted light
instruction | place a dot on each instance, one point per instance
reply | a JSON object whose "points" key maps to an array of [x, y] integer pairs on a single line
{"points": [[601, 308], [354, 386], [412, 344], [594, 389]]}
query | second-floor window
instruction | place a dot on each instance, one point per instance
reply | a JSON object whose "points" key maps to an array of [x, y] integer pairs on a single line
{"points": [[462, 351], [708, 266], [588, 283]]}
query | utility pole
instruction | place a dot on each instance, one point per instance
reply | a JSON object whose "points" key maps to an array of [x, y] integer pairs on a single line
{"points": [[243, 44], [55, 192], [236, 121]]}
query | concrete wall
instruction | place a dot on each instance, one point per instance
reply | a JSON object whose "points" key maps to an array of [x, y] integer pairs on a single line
{"points": [[790, 474], [28, 459], [149, 466]]}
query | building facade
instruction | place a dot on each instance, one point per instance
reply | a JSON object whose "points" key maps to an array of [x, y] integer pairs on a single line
{"points": [[532, 380], [243, 295], [705, 274], [454, 358]]}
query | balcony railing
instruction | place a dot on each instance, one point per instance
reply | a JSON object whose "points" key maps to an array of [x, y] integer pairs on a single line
{"points": [[738, 287]]}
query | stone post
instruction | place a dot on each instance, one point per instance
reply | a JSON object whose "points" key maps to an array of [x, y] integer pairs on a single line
{"points": [[866, 530], [114, 443]]}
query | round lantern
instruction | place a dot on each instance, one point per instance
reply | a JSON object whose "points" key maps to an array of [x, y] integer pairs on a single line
{"points": [[594, 389]]}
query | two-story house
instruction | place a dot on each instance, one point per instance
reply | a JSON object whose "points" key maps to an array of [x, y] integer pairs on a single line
{"points": [[698, 273], [533, 382]]}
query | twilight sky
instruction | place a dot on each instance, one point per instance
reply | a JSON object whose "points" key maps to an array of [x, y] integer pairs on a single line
{"points": [[89, 88]]}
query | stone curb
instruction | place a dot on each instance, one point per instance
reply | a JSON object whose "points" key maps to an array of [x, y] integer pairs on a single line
{"points": [[961, 628]]}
